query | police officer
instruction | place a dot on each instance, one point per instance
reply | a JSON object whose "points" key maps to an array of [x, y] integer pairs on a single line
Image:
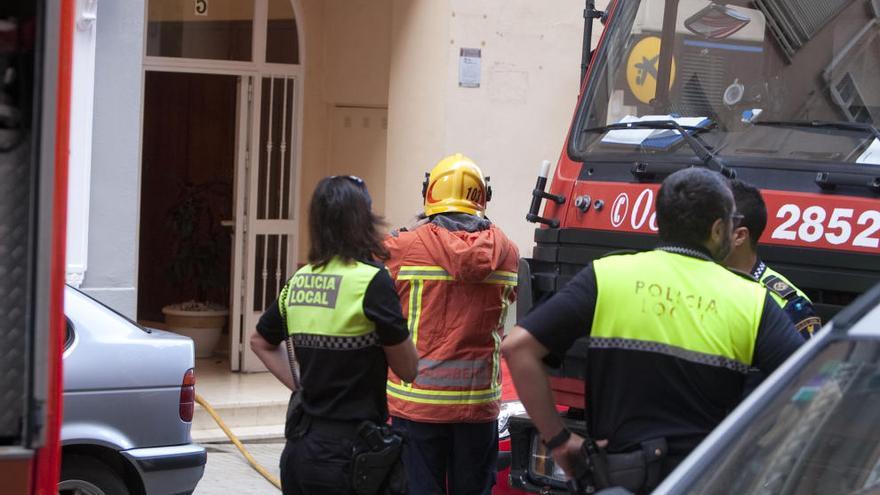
{"points": [[744, 258], [343, 317], [672, 334]]}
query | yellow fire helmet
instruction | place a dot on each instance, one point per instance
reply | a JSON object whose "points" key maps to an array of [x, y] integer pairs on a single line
{"points": [[456, 184]]}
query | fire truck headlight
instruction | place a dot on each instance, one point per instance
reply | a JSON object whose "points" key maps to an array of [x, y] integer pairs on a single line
{"points": [[541, 464]]}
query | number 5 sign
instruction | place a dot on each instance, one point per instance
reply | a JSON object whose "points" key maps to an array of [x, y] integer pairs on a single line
{"points": [[201, 7]]}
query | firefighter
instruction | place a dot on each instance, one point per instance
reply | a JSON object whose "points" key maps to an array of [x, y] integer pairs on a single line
{"points": [[344, 320], [672, 334], [744, 258], [456, 275]]}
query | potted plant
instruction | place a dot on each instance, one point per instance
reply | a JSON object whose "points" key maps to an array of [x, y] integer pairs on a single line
{"points": [[199, 246]]}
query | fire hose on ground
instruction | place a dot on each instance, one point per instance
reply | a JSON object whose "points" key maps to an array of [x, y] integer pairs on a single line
{"points": [[234, 439]]}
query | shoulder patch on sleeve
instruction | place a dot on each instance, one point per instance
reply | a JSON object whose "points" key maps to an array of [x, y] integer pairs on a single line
{"points": [[779, 287]]}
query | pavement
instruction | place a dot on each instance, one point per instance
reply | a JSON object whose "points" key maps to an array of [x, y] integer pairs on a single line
{"points": [[228, 472]]}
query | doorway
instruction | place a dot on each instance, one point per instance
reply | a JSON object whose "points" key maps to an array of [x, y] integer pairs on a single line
{"points": [[218, 193], [187, 190], [222, 119]]}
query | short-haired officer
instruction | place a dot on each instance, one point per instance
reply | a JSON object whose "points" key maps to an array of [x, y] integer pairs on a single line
{"points": [[744, 258], [672, 334]]}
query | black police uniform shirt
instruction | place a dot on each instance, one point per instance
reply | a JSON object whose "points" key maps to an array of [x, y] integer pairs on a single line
{"points": [[343, 384], [635, 396]]}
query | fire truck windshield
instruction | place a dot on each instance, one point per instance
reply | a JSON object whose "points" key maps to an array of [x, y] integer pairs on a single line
{"points": [[750, 80]]}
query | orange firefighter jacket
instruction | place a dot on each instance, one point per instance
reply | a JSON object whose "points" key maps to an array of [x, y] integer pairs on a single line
{"points": [[455, 287]]}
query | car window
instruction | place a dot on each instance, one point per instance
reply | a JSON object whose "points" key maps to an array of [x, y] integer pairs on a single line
{"points": [[820, 435], [108, 308], [68, 336]]}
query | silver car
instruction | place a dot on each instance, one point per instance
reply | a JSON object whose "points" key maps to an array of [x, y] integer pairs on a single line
{"points": [[812, 427], [128, 405]]}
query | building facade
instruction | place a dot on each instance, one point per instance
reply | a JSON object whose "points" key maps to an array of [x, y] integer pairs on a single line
{"points": [[225, 114]]}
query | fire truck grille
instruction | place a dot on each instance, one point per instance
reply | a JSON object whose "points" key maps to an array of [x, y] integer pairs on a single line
{"points": [[702, 83]]}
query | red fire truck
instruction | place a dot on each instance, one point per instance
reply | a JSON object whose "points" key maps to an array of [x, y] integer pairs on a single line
{"points": [[782, 94], [35, 62]]}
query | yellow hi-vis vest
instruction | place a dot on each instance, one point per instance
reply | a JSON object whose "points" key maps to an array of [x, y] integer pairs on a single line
{"points": [[686, 307], [328, 301]]}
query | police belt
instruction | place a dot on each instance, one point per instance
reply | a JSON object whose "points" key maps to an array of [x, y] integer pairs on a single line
{"points": [[376, 468], [639, 471], [342, 428], [299, 423]]}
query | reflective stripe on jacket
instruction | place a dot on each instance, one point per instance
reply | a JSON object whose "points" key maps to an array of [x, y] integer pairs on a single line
{"points": [[455, 288]]}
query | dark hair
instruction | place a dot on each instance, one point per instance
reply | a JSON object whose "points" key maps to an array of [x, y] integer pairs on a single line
{"points": [[689, 202], [751, 206], [341, 222]]}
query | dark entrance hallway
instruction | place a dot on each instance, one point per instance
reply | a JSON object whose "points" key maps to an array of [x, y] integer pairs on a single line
{"points": [[186, 189]]}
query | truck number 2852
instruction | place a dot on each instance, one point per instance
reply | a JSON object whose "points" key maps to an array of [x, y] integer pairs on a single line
{"points": [[810, 225]]}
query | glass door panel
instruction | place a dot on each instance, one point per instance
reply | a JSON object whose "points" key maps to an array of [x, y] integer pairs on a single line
{"points": [[216, 30], [282, 42]]}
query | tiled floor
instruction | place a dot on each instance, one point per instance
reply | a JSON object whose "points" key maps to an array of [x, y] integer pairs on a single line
{"points": [[220, 386], [253, 405]]}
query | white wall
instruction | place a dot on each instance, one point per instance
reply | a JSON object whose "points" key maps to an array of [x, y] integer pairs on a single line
{"points": [[347, 61], [116, 146], [517, 117]]}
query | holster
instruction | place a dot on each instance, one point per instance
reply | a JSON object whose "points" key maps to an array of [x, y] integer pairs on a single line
{"points": [[297, 423], [638, 471], [376, 467]]}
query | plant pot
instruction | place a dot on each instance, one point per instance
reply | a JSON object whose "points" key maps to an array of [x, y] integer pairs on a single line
{"points": [[203, 323]]}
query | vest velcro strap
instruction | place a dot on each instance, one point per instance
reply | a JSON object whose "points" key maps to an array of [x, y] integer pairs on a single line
{"points": [[669, 350], [441, 397], [779, 287]]}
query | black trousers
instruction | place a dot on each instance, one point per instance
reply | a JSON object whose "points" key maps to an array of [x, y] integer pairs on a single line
{"points": [[453, 458], [317, 463]]}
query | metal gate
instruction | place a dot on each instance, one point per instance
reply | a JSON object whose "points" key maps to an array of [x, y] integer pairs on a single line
{"points": [[265, 211]]}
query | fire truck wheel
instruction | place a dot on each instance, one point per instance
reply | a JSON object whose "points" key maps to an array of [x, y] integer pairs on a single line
{"points": [[81, 475]]}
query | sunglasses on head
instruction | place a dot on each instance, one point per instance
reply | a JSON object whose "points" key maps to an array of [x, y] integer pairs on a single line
{"points": [[354, 178], [357, 181], [737, 219]]}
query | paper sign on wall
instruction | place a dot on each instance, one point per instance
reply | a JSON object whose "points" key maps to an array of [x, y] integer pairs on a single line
{"points": [[469, 68], [872, 154]]}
